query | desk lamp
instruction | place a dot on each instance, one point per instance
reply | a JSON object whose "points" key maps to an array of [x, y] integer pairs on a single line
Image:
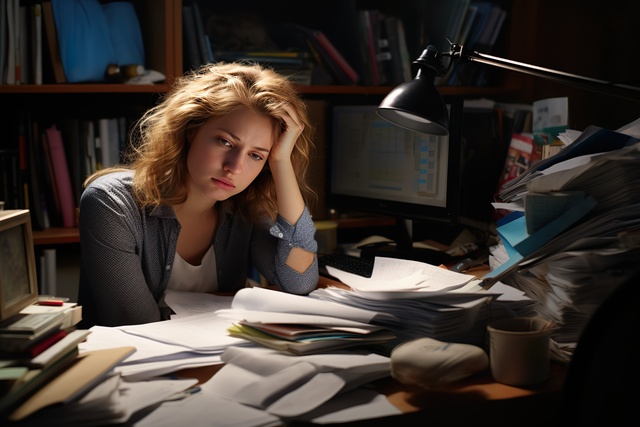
{"points": [[417, 105]]}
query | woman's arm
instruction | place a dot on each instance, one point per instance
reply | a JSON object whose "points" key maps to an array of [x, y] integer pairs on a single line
{"points": [[112, 279], [290, 201]]}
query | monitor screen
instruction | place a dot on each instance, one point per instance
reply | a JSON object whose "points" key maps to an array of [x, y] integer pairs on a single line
{"points": [[378, 167]]}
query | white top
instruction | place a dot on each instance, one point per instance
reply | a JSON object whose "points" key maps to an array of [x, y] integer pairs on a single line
{"points": [[194, 278]]}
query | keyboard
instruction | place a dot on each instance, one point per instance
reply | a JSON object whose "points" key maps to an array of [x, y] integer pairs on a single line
{"points": [[349, 263]]}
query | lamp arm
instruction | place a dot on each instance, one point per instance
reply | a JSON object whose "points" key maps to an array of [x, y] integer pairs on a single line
{"points": [[588, 83]]}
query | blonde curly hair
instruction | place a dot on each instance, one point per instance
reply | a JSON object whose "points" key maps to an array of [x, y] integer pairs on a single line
{"points": [[159, 149]]}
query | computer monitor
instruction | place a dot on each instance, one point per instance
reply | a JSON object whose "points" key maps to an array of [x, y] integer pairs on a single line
{"points": [[377, 167]]}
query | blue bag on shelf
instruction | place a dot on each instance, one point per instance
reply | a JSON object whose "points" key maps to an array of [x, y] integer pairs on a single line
{"points": [[93, 36]]}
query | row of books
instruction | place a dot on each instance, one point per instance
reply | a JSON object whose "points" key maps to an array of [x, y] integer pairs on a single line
{"points": [[44, 165], [475, 25], [29, 51], [363, 46]]}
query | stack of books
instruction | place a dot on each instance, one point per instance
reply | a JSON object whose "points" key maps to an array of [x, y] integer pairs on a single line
{"points": [[35, 346], [297, 66]]}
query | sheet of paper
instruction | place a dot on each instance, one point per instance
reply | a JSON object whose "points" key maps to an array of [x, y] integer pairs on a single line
{"points": [[268, 300], [189, 303], [203, 333], [393, 274]]}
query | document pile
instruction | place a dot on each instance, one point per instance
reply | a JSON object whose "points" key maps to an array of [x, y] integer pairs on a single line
{"points": [[290, 386], [299, 324], [575, 238], [117, 375], [422, 300]]}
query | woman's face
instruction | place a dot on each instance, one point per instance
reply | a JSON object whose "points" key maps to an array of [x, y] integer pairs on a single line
{"points": [[227, 153]]}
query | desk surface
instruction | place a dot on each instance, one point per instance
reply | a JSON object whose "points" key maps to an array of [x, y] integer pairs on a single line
{"points": [[477, 398]]}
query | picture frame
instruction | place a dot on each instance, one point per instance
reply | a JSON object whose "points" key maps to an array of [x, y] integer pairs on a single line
{"points": [[18, 275]]}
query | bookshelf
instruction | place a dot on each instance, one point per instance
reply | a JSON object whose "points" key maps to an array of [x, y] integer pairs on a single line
{"points": [[526, 36]]}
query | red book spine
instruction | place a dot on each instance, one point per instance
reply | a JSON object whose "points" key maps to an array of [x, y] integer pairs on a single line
{"points": [[63, 177], [47, 342]]}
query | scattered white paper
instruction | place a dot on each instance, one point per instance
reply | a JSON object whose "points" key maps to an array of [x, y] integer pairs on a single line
{"points": [[394, 274]]}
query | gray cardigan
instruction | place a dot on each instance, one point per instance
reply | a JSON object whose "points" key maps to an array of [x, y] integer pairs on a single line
{"points": [[127, 253]]}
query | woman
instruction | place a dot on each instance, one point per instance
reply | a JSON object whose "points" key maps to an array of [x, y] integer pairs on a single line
{"points": [[216, 185]]}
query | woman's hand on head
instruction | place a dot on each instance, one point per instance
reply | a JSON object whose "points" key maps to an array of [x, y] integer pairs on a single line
{"points": [[283, 147]]}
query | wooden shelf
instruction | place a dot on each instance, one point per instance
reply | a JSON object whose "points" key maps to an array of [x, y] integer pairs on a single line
{"points": [[305, 90], [84, 88], [55, 236]]}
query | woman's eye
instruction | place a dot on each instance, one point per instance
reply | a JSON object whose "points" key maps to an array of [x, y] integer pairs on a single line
{"points": [[224, 142], [256, 157]]}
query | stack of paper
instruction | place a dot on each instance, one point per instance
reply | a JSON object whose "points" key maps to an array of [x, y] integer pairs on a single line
{"points": [[302, 325], [584, 251], [289, 386], [305, 334]]}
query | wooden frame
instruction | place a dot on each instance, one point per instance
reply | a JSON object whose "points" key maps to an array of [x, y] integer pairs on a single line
{"points": [[18, 279]]}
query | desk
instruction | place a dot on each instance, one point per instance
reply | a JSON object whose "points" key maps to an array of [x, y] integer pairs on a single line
{"points": [[472, 400], [477, 398]]}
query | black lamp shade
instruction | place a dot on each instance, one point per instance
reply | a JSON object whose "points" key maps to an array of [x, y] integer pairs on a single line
{"points": [[417, 105]]}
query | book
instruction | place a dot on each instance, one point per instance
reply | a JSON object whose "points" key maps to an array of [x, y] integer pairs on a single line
{"points": [[192, 57], [41, 345], [109, 141], [36, 43], [321, 46], [203, 42], [12, 23], [34, 379], [52, 197], [3, 39], [521, 155], [368, 49], [29, 324], [59, 349], [62, 176], [53, 48], [89, 369], [395, 71], [23, 68], [37, 201]]}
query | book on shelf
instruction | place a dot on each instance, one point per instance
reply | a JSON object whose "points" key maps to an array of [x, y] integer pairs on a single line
{"points": [[368, 48], [12, 42], [53, 48], [36, 43], [321, 48], [203, 42], [398, 67], [192, 58], [3, 40], [37, 199], [62, 175], [51, 194], [24, 73]]}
